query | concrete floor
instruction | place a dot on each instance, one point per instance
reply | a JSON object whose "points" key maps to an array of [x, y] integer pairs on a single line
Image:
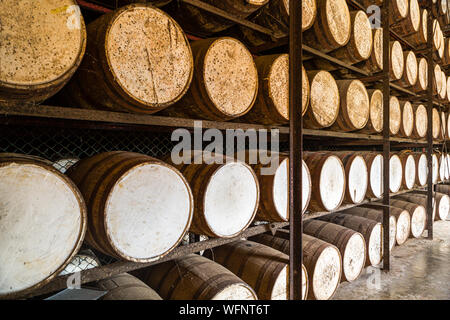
{"points": [[420, 269]]}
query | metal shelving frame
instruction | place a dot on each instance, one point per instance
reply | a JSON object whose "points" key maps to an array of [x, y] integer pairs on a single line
{"points": [[79, 118]]}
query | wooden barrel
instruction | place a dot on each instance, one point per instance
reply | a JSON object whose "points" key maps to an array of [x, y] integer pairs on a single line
{"points": [[83, 260], [442, 206], [417, 213], [374, 162], [409, 169], [226, 194], [328, 180], [443, 167], [354, 105], [421, 36], [33, 66], [273, 206], [448, 89], [395, 114], [422, 76], [376, 215], [443, 92], [443, 132], [398, 10], [407, 124], [410, 72], [126, 287], [436, 124], [397, 61], [225, 83], [196, 21], [322, 261], [356, 176], [446, 59], [437, 82], [131, 198], [420, 121], [351, 245], [435, 168], [360, 44], [443, 188], [194, 277], [375, 122], [421, 169], [272, 103], [372, 232], [411, 23], [419, 199], [395, 173], [375, 61], [324, 100], [275, 16], [132, 62], [332, 27], [448, 119], [263, 268], [42, 226], [402, 221]]}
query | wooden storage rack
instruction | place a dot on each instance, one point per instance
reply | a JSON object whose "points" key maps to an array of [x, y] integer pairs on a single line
{"points": [[43, 115]]}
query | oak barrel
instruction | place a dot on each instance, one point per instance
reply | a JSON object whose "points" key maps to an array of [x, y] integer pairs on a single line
{"points": [[374, 162], [194, 277], [411, 23], [407, 124], [139, 207], [376, 215], [42, 45], [196, 21], [332, 26], [324, 100], [272, 103], [42, 225], [263, 268], [444, 125], [137, 60], [225, 83], [375, 61], [372, 232], [354, 106], [395, 173], [409, 169], [437, 80], [417, 213], [356, 176], [420, 121], [402, 220], [126, 287], [273, 206], [351, 245], [410, 72], [420, 37], [397, 61], [328, 180], [375, 122], [435, 168], [422, 76], [419, 199], [443, 188], [322, 261], [442, 206], [436, 124], [226, 194], [398, 10], [395, 114], [360, 44], [444, 169]]}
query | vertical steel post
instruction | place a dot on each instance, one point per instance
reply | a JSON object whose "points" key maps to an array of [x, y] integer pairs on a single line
{"points": [[429, 105], [295, 153], [386, 131]]}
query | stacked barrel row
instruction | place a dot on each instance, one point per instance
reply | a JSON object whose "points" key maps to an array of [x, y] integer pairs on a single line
{"points": [[135, 63]]}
